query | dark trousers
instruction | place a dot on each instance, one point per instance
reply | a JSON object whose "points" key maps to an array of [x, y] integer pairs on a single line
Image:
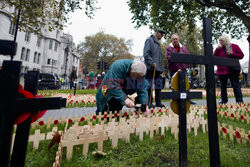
{"points": [[234, 79], [72, 85], [158, 81]]}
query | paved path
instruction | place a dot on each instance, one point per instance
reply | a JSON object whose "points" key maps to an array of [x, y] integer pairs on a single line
{"points": [[85, 111]]}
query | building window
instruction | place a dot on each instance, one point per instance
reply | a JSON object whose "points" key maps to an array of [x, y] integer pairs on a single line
{"points": [[48, 61], [22, 53], [56, 45], [38, 58], [39, 39], [57, 34], [12, 28], [27, 55], [54, 62], [50, 44], [27, 36], [35, 57]]}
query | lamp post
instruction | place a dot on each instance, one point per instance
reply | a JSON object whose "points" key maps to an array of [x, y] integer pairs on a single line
{"points": [[66, 61]]}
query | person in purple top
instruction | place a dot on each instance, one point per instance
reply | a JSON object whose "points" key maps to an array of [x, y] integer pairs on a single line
{"points": [[175, 47], [227, 49]]}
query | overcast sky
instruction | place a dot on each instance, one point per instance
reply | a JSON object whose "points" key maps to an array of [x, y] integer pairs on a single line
{"points": [[114, 18]]}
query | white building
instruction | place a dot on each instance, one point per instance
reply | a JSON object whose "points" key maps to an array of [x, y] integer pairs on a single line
{"points": [[46, 53]]}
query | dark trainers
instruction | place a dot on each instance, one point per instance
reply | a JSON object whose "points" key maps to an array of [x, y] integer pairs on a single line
{"points": [[160, 105], [221, 102]]}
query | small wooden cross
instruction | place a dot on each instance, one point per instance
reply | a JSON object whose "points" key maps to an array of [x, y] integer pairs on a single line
{"points": [[36, 138], [85, 139], [114, 136], [203, 124], [69, 140]]}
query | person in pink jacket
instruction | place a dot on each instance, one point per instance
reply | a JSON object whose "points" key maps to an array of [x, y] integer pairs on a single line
{"points": [[228, 50], [175, 47]]}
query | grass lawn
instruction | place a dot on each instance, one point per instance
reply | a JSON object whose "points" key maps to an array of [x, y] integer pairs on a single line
{"points": [[149, 152]]}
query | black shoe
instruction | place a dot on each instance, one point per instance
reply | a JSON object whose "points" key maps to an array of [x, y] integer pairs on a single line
{"points": [[160, 105], [191, 102], [151, 106], [221, 102]]}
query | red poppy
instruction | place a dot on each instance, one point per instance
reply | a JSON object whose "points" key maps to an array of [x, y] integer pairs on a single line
{"points": [[224, 130], [242, 117], [220, 106], [35, 116], [232, 115], [225, 114], [94, 101], [41, 123], [237, 134], [152, 111], [82, 119], [76, 102], [115, 115], [69, 121], [105, 116], [82, 101], [159, 110], [94, 117], [248, 137], [231, 106], [125, 114], [136, 112], [218, 112], [88, 101], [56, 122]]}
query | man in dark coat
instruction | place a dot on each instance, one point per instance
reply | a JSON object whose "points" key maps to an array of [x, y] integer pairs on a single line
{"points": [[153, 59], [72, 77]]}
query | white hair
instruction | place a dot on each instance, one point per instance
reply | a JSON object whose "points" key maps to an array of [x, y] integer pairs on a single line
{"points": [[226, 39], [138, 67]]}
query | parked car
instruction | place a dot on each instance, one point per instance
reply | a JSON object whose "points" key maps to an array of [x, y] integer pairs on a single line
{"points": [[49, 81], [45, 81]]}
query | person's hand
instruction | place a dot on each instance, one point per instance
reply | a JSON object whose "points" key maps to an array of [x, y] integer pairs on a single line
{"points": [[129, 103], [154, 65], [230, 53]]}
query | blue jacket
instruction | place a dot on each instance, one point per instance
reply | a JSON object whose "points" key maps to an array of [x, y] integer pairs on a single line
{"points": [[117, 80], [152, 53]]}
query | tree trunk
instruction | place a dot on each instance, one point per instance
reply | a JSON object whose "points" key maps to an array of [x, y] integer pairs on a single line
{"points": [[248, 76]]}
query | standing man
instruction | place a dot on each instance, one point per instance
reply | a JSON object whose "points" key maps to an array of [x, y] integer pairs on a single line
{"points": [[73, 77], [153, 59], [175, 47]]}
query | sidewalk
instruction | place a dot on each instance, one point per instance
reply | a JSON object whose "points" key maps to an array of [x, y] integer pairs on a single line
{"points": [[66, 112]]}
